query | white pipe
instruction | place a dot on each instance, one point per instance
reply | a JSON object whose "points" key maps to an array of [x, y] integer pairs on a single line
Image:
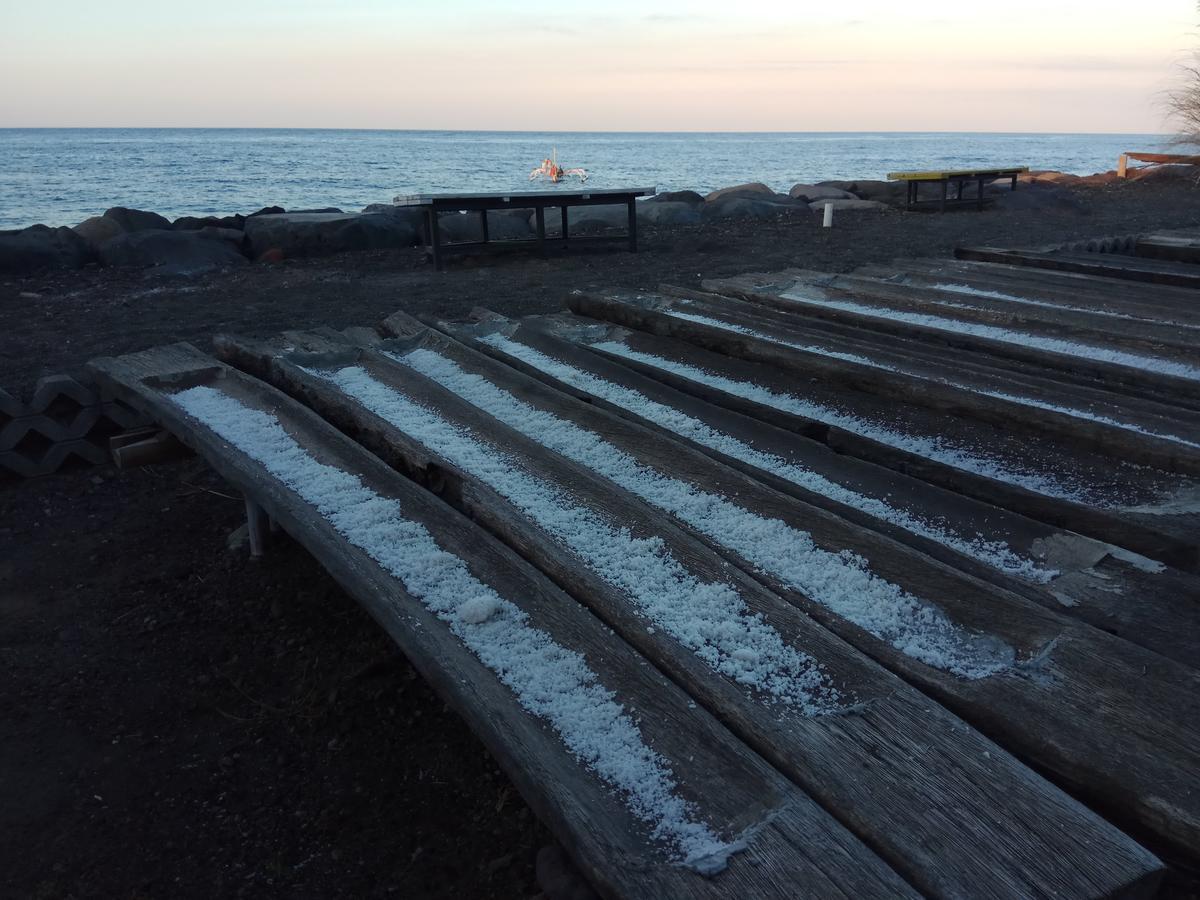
{"points": [[828, 223]]}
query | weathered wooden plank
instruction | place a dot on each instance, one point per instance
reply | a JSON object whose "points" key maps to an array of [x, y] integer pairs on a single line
{"points": [[874, 415], [671, 462], [1051, 735], [1150, 421], [790, 843], [1151, 302], [1105, 265], [959, 301], [415, 423], [1152, 606], [1169, 374], [1173, 247]]}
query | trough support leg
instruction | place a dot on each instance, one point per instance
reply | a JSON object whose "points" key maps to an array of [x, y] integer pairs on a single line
{"points": [[632, 225], [435, 239], [257, 528]]}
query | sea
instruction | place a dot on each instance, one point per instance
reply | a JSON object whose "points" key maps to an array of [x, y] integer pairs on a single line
{"points": [[62, 176]]}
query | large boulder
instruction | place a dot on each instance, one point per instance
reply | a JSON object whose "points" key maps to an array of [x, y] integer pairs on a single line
{"points": [[137, 219], [589, 218], [669, 212], [806, 193], [411, 216], [38, 247], [1100, 179], [749, 208], [319, 234], [98, 229], [268, 211], [844, 203], [502, 226], [1049, 176], [890, 192], [194, 223], [1164, 173], [173, 252], [690, 197], [754, 189]]}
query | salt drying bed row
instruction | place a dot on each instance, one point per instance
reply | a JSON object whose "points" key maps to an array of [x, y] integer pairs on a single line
{"points": [[1106, 480], [716, 658]]}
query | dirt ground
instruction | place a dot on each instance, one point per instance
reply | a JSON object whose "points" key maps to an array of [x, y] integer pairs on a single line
{"points": [[177, 720]]}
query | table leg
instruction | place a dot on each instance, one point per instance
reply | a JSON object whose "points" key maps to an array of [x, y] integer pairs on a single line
{"points": [[435, 239], [564, 226], [981, 195], [539, 215], [945, 192], [483, 226], [632, 225]]}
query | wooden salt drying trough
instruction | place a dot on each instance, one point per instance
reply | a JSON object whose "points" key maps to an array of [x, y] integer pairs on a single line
{"points": [[762, 466]]}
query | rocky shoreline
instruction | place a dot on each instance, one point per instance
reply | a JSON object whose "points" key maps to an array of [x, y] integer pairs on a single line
{"points": [[191, 245]]}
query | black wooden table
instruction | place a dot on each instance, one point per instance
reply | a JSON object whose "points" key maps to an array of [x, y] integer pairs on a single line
{"points": [[434, 204]]}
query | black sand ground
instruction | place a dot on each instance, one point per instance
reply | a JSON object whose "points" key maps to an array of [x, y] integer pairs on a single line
{"points": [[177, 720]]}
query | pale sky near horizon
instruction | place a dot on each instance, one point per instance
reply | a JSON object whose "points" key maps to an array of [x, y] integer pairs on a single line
{"points": [[739, 65]]}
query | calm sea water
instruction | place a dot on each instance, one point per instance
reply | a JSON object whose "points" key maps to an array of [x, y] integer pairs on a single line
{"points": [[62, 176]]}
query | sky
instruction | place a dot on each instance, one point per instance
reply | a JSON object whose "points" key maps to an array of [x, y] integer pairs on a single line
{"points": [[612, 65]]}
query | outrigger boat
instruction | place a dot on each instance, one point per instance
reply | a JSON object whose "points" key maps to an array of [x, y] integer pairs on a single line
{"points": [[556, 173]]}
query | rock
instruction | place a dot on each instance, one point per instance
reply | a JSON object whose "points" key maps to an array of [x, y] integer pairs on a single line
{"points": [[212, 232], [747, 208], [323, 209], [890, 192], [852, 203], [589, 218], [1049, 176], [810, 192], [268, 211], [98, 229], [669, 212], [171, 252], [137, 219], [39, 247], [754, 189], [501, 227], [1162, 173], [319, 234], [414, 218], [676, 197], [193, 223], [1098, 180]]}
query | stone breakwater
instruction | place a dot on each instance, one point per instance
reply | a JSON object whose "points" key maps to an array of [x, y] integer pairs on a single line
{"points": [[191, 245]]}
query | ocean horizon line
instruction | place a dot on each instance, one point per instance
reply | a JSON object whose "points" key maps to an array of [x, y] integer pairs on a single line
{"points": [[1001, 133]]}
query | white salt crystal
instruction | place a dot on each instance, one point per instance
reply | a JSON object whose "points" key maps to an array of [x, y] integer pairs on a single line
{"points": [[841, 581], [551, 681], [709, 618], [1008, 336]]}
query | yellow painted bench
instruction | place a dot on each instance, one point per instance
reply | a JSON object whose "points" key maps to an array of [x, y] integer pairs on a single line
{"points": [[956, 177]]}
